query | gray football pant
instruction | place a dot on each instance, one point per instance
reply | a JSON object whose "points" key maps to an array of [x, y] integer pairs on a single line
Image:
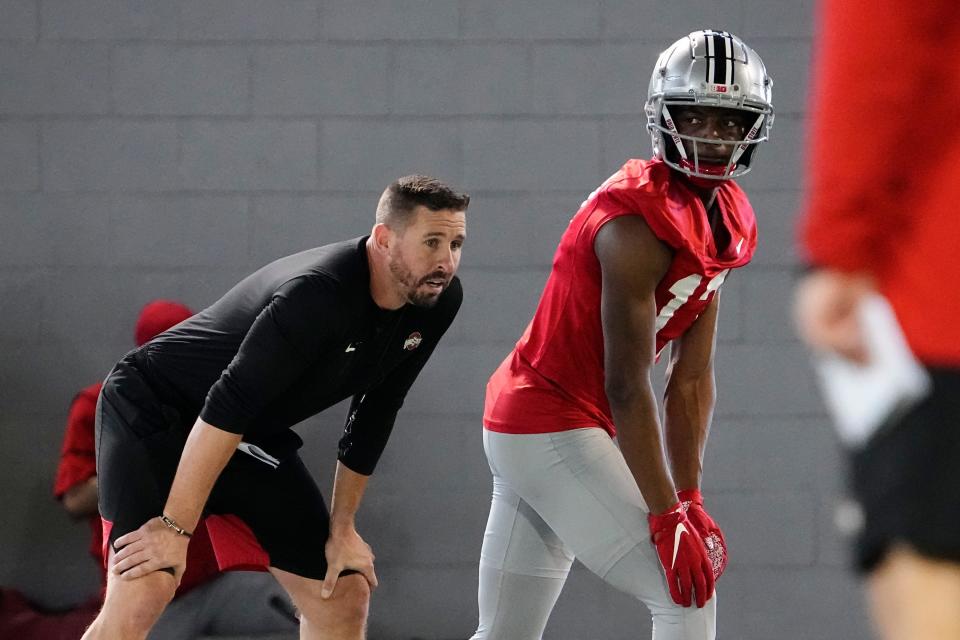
{"points": [[235, 603], [562, 495]]}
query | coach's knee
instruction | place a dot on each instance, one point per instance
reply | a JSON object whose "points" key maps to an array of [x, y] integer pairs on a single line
{"points": [[146, 612], [132, 608], [345, 611]]}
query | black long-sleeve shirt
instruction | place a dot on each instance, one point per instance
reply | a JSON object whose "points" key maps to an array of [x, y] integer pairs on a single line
{"points": [[293, 339]]}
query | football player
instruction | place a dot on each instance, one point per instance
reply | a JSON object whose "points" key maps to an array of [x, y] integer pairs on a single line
{"points": [[639, 267]]}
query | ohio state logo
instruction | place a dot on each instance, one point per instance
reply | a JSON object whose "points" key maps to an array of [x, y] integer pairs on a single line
{"points": [[413, 341]]}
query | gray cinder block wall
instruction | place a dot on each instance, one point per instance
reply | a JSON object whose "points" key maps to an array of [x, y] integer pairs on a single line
{"points": [[167, 147]]}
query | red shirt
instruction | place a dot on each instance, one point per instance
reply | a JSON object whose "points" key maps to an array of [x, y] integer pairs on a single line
{"points": [[78, 458], [884, 160], [553, 380], [78, 463]]}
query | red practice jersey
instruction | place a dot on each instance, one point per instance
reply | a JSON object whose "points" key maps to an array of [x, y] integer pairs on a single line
{"points": [[553, 380]]}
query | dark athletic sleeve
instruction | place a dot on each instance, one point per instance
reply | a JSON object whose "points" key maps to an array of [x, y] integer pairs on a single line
{"points": [[371, 416], [285, 339]]}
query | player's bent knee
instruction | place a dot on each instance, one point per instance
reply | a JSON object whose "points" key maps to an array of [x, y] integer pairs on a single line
{"points": [[673, 620]]}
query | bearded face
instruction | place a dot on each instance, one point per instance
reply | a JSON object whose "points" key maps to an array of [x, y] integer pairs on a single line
{"points": [[425, 255], [420, 291]]}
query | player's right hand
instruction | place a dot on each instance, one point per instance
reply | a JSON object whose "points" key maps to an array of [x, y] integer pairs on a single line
{"points": [[345, 549], [683, 557]]}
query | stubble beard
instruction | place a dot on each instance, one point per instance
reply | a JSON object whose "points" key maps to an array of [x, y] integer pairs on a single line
{"points": [[409, 285]]}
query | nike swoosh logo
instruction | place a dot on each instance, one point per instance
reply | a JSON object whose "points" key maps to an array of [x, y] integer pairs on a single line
{"points": [[681, 529], [350, 348]]}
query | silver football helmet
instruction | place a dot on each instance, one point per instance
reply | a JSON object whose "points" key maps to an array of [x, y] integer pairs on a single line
{"points": [[711, 69]]}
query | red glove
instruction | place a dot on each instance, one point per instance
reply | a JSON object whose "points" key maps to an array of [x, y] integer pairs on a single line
{"points": [[683, 556], [716, 544]]}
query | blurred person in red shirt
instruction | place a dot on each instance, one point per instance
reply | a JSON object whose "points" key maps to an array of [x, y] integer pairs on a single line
{"points": [[880, 218], [76, 481], [208, 602]]}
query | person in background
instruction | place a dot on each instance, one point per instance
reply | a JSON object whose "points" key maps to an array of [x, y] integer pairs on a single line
{"points": [[205, 603], [881, 218]]}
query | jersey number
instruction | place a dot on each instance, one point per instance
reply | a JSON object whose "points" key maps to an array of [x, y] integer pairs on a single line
{"points": [[683, 289]]}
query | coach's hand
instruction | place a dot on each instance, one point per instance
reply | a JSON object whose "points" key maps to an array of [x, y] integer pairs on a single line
{"points": [[346, 550], [683, 557], [709, 530], [152, 547]]}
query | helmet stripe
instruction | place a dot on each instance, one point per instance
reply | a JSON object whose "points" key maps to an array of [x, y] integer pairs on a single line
{"points": [[720, 59], [728, 50], [708, 41]]}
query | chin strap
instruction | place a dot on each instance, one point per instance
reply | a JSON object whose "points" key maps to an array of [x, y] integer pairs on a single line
{"points": [[719, 170], [700, 181]]}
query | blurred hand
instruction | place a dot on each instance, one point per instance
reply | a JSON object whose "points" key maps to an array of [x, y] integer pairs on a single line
{"points": [[825, 312]]}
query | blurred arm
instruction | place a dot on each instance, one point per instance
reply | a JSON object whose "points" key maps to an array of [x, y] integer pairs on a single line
{"points": [[80, 501]]}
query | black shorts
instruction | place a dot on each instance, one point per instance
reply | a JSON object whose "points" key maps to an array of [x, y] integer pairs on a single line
{"points": [[907, 482], [139, 442]]}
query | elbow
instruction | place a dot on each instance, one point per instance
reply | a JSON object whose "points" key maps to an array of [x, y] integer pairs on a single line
{"points": [[73, 507], [625, 392], [618, 393], [80, 501]]}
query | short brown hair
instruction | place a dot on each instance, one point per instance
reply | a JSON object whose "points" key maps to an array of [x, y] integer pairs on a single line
{"points": [[404, 194]]}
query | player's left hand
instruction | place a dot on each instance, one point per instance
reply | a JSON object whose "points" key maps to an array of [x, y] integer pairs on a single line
{"points": [[825, 311], [709, 530], [345, 549], [682, 557], [152, 547]]}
